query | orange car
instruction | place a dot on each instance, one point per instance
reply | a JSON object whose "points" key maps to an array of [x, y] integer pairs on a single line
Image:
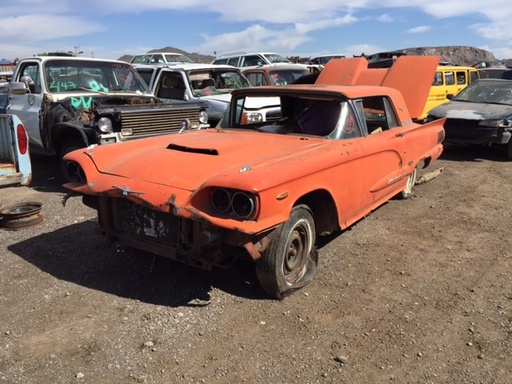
{"points": [[264, 187]]}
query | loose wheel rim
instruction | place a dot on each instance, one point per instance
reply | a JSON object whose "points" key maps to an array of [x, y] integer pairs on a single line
{"points": [[21, 215]]}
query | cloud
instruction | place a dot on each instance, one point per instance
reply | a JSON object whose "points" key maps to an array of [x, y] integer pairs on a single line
{"points": [[498, 31], [33, 28], [420, 29], [305, 27], [255, 37], [283, 26], [359, 49], [385, 18]]}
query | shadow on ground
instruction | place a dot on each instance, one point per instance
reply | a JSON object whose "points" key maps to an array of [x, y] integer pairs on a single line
{"points": [[453, 152], [77, 254]]}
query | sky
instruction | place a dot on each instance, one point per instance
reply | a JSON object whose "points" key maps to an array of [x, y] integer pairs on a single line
{"points": [[113, 28]]}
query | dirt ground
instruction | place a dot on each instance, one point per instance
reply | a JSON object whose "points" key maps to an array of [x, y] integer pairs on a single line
{"points": [[420, 291]]}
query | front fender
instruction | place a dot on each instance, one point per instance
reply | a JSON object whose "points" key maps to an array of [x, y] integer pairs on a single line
{"points": [[70, 130]]}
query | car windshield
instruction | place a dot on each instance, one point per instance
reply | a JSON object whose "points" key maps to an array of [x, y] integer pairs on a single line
{"points": [[275, 58], [96, 76], [491, 92], [208, 82], [326, 59], [301, 114]]}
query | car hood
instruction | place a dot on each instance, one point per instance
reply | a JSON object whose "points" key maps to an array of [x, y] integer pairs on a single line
{"points": [[471, 111], [223, 98], [186, 161]]}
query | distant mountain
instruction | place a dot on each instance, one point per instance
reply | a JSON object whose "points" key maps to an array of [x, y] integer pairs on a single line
{"points": [[456, 55]]}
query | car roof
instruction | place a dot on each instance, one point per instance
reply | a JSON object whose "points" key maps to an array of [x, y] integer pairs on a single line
{"points": [[327, 55], [246, 54], [269, 67], [75, 58], [160, 53], [455, 67], [186, 67]]}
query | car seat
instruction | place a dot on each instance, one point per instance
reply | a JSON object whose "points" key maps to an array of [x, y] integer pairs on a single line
{"points": [[172, 88], [320, 119], [208, 83]]}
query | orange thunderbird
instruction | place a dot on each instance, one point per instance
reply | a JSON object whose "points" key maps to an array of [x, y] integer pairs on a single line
{"points": [[285, 165]]}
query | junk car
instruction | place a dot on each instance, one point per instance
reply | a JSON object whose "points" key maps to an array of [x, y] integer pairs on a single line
{"points": [[480, 114], [262, 191]]}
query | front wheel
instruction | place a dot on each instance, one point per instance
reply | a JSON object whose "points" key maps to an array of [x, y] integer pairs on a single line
{"points": [[411, 180], [290, 261]]}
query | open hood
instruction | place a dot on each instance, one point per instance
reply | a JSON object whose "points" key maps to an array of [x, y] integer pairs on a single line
{"points": [[222, 98], [411, 75]]}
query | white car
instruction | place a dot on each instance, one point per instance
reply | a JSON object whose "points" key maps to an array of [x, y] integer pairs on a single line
{"points": [[208, 83], [241, 60], [160, 58]]}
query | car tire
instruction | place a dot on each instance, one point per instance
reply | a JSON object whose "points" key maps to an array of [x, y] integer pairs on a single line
{"points": [[411, 180], [509, 149], [290, 261], [68, 146]]}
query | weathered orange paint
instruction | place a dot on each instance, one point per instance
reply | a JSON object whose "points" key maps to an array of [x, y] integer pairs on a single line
{"points": [[411, 75], [342, 179]]}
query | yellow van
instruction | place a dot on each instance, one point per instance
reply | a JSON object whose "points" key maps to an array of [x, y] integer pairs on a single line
{"points": [[449, 80]]}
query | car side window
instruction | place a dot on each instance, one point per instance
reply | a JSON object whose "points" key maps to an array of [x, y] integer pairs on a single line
{"points": [[378, 114], [233, 61], [146, 75], [438, 79], [449, 78], [257, 78], [461, 78], [30, 75], [157, 59], [251, 60]]}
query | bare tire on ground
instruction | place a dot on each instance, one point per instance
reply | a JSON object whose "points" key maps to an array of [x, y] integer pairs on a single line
{"points": [[290, 261]]}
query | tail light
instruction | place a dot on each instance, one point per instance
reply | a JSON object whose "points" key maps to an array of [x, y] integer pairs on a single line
{"points": [[22, 139]]}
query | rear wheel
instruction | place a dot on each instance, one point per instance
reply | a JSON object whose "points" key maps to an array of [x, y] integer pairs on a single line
{"points": [[411, 180], [290, 261], [69, 171]]}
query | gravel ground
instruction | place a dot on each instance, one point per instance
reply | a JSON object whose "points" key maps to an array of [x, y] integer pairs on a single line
{"points": [[420, 291]]}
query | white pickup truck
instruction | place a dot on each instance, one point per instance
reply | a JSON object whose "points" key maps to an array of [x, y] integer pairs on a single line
{"points": [[208, 83], [68, 103], [15, 166]]}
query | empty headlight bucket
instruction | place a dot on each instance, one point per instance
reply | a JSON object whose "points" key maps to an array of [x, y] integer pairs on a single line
{"points": [[105, 125], [220, 199], [74, 172], [243, 205]]}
